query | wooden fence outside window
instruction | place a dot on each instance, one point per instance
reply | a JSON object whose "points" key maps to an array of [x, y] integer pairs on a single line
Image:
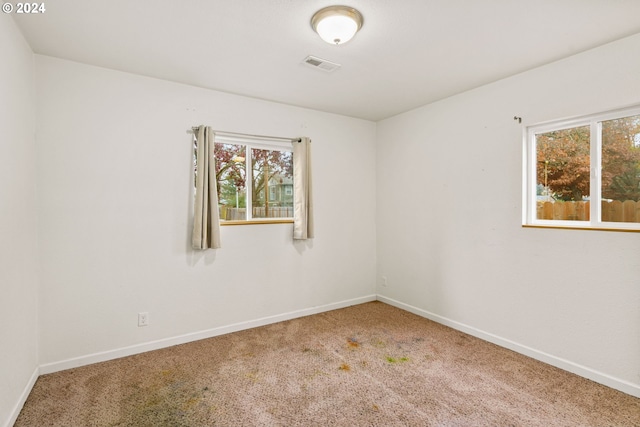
{"points": [[239, 214], [614, 211]]}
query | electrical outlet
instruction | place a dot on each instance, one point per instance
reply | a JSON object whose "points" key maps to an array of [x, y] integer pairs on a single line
{"points": [[143, 318], [384, 281]]}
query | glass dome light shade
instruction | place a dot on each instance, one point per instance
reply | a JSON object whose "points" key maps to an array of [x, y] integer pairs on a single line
{"points": [[336, 24]]}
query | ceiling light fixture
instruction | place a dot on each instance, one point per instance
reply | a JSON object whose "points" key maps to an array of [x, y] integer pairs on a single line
{"points": [[336, 24]]}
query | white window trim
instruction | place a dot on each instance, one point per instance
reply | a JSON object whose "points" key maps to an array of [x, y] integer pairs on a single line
{"points": [[262, 143], [529, 180]]}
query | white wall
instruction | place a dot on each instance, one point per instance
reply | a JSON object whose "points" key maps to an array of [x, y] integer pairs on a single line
{"points": [[115, 173], [18, 226], [450, 240]]}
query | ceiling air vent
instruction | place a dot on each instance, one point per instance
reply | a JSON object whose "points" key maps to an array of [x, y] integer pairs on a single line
{"points": [[321, 64]]}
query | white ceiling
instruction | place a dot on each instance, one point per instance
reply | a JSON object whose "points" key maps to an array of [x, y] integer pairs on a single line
{"points": [[408, 53]]}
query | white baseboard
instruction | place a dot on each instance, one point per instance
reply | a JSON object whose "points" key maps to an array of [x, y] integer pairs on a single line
{"points": [[195, 336], [13, 416], [583, 371]]}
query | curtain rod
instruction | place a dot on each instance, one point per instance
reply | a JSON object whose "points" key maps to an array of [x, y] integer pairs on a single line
{"points": [[248, 135]]}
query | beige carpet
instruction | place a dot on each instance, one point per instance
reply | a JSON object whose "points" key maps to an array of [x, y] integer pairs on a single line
{"points": [[367, 365]]}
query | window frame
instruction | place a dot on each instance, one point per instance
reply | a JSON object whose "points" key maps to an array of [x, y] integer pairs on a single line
{"points": [[594, 121], [249, 143]]}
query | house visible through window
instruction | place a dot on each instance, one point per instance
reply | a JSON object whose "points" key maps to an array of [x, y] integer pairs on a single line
{"points": [[585, 173], [254, 178]]}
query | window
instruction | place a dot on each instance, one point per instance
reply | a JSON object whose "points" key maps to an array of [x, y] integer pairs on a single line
{"points": [[255, 179], [584, 173]]}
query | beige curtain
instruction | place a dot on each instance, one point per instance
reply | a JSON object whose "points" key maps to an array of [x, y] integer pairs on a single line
{"points": [[206, 218], [303, 200]]}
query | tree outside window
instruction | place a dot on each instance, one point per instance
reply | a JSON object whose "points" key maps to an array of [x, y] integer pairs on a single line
{"points": [[268, 192], [570, 162]]}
